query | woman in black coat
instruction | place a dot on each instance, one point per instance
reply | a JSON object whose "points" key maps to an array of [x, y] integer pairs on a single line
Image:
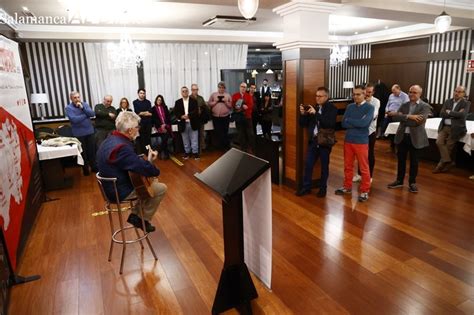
{"points": [[161, 120]]}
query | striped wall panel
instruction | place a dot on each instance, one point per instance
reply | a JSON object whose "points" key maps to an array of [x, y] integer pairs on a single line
{"points": [[445, 75], [57, 68], [357, 74]]}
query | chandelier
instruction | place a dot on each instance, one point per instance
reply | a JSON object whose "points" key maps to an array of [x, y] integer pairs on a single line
{"points": [[338, 55], [126, 54], [248, 8]]}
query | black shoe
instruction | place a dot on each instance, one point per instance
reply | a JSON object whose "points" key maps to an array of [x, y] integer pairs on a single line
{"points": [[412, 188], [303, 192], [395, 184], [321, 193], [196, 156], [186, 156], [135, 220], [149, 227], [85, 170]]}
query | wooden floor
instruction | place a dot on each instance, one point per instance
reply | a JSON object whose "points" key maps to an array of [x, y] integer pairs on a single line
{"points": [[398, 253]]}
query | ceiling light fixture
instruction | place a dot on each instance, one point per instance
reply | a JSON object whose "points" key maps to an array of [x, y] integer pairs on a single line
{"points": [[126, 54], [24, 8], [338, 54], [443, 21], [269, 71], [248, 8]]}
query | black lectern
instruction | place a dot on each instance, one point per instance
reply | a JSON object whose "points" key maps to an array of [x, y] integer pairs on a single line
{"points": [[229, 176]]}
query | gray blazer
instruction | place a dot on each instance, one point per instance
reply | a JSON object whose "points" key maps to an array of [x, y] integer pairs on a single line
{"points": [[418, 135], [458, 118]]}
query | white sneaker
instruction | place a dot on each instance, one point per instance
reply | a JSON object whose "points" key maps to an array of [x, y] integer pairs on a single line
{"points": [[356, 178], [363, 197]]}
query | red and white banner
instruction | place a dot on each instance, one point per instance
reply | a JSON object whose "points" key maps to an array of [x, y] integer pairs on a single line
{"points": [[17, 146]]}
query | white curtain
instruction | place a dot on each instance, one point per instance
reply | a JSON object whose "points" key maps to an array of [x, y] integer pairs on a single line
{"points": [[169, 66], [106, 81]]}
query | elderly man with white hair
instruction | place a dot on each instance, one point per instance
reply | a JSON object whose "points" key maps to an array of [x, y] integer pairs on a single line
{"points": [[105, 115], [80, 114], [411, 136], [116, 157]]}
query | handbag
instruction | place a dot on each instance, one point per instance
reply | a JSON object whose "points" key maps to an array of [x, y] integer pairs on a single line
{"points": [[326, 137]]}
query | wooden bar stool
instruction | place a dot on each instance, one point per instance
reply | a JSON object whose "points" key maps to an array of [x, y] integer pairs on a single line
{"points": [[115, 206]]}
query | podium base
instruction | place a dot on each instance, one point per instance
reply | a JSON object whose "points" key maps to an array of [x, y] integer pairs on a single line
{"points": [[235, 290], [15, 280]]}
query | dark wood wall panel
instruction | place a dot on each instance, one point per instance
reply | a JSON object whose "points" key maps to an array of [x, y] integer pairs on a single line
{"points": [[313, 77], [405, 74], [289, 132]]}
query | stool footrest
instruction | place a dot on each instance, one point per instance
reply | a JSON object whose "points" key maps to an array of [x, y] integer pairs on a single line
{"points": [[138, 239]]}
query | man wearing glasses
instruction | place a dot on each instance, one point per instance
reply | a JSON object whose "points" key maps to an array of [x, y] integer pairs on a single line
{"points": [[357, 119], [116, 157], [187, 112], [451, 128], [321, 116], [411, 136]]}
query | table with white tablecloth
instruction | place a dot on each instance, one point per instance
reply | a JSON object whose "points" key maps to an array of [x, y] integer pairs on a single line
{"points": [[48, 153], [52, 169], [431, 127]]}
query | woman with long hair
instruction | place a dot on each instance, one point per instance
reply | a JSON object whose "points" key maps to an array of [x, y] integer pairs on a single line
{"points": [[161, 120]]}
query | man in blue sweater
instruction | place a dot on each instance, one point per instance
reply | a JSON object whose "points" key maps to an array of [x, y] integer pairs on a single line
{"points": [[116, 157], [79, 114], [356, 120]]}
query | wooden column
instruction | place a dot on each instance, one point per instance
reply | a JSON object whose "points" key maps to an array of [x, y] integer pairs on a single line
{"points": [[304, 69]]}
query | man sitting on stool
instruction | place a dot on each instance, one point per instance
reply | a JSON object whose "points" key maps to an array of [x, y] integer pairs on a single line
{"points": [[116, 157]]}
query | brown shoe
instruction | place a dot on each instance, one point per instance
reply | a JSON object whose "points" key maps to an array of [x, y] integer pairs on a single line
{"points": [[441, 167]]}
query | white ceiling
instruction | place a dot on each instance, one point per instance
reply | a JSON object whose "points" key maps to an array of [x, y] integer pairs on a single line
{"points": [[361, 16]]}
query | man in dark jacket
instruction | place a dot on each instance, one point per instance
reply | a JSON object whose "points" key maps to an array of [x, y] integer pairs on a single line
{"points": [[105, 115], [116, 157], [315, 118], [452, 127], [142, 108], [411, 136], [186, 110]]}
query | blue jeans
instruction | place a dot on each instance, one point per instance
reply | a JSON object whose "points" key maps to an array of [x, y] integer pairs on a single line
{"points": [[190, 139], [314, 153]]}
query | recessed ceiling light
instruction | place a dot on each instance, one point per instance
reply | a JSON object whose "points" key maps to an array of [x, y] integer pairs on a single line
{"points": [[205, 53], [356, 33], [386, 27], [24, 8], [257, 49]]}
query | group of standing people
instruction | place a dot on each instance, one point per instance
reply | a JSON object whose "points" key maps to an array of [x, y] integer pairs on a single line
{"points": [[246, 109], [360, 122], [80, 113], [191, 111]]}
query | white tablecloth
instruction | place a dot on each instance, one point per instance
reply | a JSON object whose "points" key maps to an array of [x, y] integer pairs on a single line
{"points": [[49, 153], [431, 127]]}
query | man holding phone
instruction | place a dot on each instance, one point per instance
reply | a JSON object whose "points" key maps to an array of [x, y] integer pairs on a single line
{"points": [[322, 116], [221, 105]]}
